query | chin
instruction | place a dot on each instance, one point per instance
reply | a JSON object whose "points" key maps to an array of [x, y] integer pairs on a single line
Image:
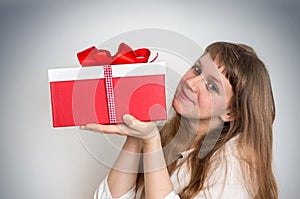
{"points": [[186, 112]]}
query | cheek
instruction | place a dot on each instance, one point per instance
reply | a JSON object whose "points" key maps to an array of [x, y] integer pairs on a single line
{"points": [[205, 102], [176, 105], [211, 105], [218, 106], [205, 107]]}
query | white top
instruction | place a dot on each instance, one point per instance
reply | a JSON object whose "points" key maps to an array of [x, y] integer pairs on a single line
{"points": [[220, 187]]}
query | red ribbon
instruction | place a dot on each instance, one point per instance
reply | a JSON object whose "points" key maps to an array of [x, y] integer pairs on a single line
{"points": [[110, 94], [125, 55]]}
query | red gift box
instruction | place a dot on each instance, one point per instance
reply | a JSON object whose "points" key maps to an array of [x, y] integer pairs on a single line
{"points": [[80, 96]]}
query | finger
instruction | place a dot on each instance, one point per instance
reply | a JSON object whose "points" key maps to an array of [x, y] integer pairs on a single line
{"points": [[138, 125], [138, 128], [130, 131], [82, 128], [108, 129], [127, 130], [132, 122]]}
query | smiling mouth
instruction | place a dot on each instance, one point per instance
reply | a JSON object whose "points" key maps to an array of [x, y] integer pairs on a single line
{"points": [[184, 96]]}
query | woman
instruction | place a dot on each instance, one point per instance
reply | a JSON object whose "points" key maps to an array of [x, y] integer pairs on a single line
{"points": [[217, 145]]}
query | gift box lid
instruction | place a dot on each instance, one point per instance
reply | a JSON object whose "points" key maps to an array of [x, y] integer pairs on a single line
{"points": [[95, 72]]}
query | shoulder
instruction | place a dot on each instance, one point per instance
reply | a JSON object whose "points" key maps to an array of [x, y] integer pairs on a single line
{"points": [[225, 176], [225, 164]]}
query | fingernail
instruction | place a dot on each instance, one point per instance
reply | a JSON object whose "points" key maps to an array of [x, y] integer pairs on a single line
{"points": [[82, 127]]}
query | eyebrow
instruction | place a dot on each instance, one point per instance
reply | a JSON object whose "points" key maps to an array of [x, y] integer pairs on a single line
{"points": [[209, 76]]}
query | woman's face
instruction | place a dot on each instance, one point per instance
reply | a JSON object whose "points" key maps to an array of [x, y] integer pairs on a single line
{"points": [[203, 92]]}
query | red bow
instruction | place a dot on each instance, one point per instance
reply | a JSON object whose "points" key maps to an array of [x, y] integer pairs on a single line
{"points": [[125, 55]]}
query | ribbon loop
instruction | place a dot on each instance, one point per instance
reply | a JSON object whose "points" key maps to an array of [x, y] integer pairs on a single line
{"points": [[125, 55]]}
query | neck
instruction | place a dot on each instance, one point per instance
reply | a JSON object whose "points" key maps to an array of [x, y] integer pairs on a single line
{"points": [[199, 128]]}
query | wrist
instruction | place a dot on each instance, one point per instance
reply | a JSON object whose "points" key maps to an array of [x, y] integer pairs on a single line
{"points": [[132, 144], [152, 139], [133, 140], [152, 144]]}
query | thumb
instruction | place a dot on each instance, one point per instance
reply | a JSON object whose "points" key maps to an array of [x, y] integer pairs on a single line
{"points": [[132, 122], [128, 119]]}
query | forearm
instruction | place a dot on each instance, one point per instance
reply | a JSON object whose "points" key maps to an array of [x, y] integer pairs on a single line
{"points": [[157, 178], [122, 176]]}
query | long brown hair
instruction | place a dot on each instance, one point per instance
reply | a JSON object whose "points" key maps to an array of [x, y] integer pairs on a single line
{"points": [[253, 109]]}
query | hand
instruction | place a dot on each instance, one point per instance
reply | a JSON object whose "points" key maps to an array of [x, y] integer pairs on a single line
{"points": [[101, 128], [131, 127]]}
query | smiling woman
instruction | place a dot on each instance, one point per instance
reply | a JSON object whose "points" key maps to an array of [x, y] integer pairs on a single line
{"points": [[217, 145], [204, 92]]}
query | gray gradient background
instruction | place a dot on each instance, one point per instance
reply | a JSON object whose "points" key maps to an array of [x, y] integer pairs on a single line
{"points": [[38, 161]]}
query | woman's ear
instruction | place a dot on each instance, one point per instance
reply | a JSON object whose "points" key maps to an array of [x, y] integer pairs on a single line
{"points": [[227, 116]]}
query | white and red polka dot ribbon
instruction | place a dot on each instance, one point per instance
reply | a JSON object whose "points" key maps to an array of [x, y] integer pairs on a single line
{"points": [[110, 95]]}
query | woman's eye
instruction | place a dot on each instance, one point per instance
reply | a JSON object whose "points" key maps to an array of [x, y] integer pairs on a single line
{"points": [[197, 69], [212, 87]]}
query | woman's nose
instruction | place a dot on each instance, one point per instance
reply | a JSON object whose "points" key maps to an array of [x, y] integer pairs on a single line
{"points": [[195, 83]]}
